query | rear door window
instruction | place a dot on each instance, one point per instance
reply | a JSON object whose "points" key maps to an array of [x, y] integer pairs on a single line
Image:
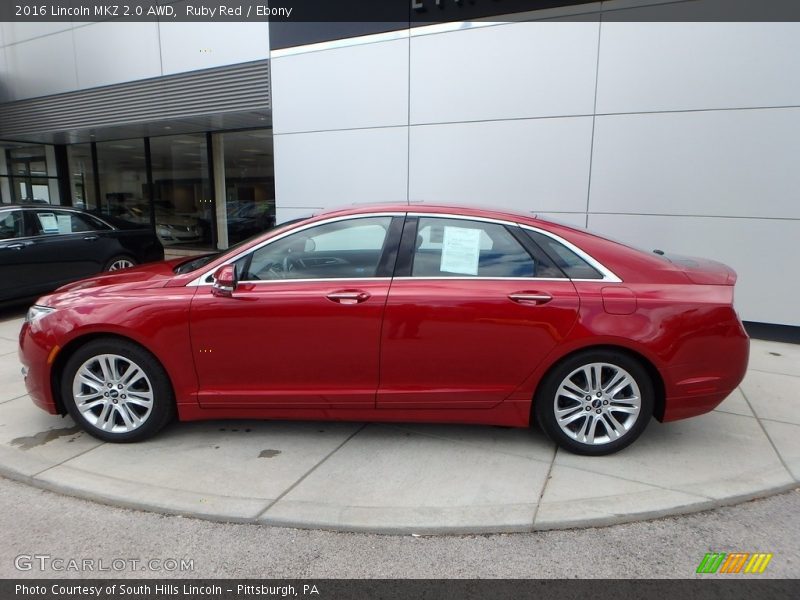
{"points": [[573, 265], [53, 222], [465, 248], [11, 224]]}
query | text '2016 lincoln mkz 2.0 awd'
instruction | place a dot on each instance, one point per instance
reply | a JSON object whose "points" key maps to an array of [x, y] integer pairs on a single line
{"points": [[396, 313]]}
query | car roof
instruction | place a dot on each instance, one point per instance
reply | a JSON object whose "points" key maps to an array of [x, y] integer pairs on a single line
{"points": [[465, 209]]}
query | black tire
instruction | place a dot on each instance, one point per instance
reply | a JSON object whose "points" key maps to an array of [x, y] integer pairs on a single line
{"points": [[162, 405], [113, 263], [580, 414]]}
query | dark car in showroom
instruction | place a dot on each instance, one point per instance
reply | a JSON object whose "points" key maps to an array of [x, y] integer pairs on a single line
{"points": [[44, 247]]}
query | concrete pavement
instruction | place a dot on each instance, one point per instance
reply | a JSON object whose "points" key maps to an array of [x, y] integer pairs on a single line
{"points": [[37, 522], [408, 478]]}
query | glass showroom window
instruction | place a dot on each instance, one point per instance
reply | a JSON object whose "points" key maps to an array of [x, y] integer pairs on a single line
{"points": [[182, 195], [5, 180], [81, 176], [249, 182], [32, 175], [123, 180]]}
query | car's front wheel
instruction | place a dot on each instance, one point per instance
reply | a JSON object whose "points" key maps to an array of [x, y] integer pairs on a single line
{"points": [[117, 391], [120, 262], [595, 403]]}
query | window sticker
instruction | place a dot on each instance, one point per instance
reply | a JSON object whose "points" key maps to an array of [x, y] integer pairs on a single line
{"points": [[48, 222], [461, 249], [64, 223]]}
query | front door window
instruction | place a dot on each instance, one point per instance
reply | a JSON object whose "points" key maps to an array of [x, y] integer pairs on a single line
{"points": [[349, 249]]}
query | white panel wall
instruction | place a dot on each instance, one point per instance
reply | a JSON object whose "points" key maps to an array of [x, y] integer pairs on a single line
{"points": [[345, 88], [51, 58], [41, 66], [283, 214], [504, 72], [193, 46], [531, 165], [690, 66], [762, 251], [338, 168], [571, 219], [104, 53], [728, 163], [11, 33]]}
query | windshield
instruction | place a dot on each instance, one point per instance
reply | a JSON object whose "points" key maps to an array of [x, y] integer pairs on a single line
{"points": [[194, 264], [201, 261]]}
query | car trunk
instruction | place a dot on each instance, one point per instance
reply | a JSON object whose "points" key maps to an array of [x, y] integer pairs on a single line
{"points": [[703, 270]]}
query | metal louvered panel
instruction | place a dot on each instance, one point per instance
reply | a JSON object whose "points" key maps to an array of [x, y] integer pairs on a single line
{"points": [[243, 87]]}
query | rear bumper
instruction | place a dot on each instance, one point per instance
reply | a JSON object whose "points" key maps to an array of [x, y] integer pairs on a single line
{"points": [[691, 406], [697, 388]]}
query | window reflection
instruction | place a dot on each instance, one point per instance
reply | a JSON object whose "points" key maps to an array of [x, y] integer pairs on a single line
{"points": [[81, 176], [32, 176], [111, 178], [181, 190], [123, 180], [249, 183]]}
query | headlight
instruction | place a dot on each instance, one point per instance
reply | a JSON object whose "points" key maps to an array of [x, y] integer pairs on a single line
{"points": [[36, 312]]}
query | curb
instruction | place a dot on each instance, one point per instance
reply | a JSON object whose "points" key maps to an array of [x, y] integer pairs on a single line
{"points": [[312, 524]]}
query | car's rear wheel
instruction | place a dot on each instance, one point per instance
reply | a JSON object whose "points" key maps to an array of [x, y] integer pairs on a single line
{"points": [[117, 391], [595, 403], [120, 262]]}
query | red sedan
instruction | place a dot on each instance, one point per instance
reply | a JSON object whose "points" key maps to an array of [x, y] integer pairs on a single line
{"points": [[396, 313]]}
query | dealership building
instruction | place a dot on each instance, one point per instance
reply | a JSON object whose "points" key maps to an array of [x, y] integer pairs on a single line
{"points": [[681, 135]]}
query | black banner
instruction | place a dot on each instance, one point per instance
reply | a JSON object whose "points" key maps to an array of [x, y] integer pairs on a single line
{"points": [[730, 588], [399, 12]]}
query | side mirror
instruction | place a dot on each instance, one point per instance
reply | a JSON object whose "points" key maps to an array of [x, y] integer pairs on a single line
{"points": [[225, 281]]}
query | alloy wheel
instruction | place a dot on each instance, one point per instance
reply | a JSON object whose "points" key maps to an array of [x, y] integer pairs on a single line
{"points": [[121, 263], [597, 403], [112, 393]]}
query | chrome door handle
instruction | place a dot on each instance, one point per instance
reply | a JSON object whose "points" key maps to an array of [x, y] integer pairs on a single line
{"points": [[348, 297], [530, 297], [16, 246], [90, 238]]}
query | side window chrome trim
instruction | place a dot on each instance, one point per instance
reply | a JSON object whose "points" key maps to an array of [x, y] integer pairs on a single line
{"points": [[201, 280], [608, 275], [468, 278], [331, 279]]}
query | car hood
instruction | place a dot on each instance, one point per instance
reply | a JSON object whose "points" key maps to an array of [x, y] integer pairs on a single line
{"points": [[151, 275], [162, 219]]}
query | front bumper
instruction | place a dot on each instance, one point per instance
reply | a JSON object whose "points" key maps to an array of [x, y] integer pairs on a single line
{"points": [[37, 353]]}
